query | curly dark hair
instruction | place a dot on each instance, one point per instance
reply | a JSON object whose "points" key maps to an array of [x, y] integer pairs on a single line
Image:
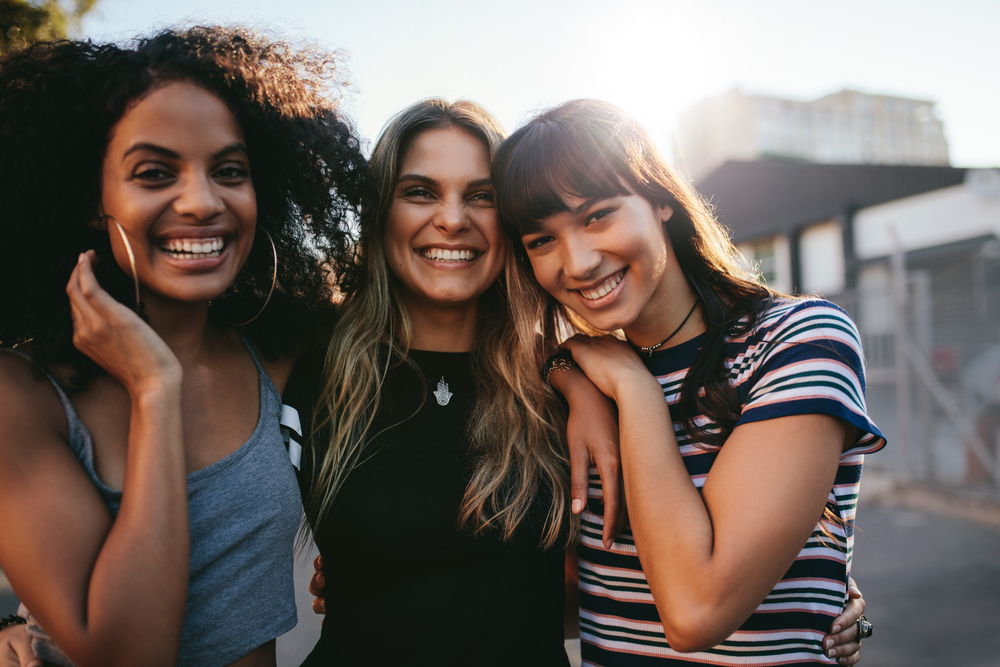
{"points": [[58, 104]]}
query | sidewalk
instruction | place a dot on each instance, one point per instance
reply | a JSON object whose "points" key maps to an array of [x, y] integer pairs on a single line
{"points": [[980, 504], [927, 558]]}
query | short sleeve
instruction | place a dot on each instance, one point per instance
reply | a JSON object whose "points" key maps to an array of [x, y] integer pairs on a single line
{"points": [[806, 358]]}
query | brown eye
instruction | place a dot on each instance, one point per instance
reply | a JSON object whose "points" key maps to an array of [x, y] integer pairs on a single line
{"points": [[483, 197], [232, 172], [417, 192], [152, 174]]}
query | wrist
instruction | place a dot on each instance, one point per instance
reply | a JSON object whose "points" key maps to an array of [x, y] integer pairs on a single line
{"points": [[558, 364], [157, 390], [631, 382]]}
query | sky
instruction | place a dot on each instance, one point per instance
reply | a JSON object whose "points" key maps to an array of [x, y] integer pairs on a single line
{"points": [[653, 58]]}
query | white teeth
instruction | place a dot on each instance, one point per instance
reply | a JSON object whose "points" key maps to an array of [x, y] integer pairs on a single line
{"points": [[604, 288], [193, 248], [443, 255]]}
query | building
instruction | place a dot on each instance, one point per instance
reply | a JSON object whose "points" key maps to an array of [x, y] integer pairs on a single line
{"points": [[913, 254], [848, 127], [796, 220]]}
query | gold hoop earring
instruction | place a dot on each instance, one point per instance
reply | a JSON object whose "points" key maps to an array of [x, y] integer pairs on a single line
{"points": [[274, 280], [131, 261]]}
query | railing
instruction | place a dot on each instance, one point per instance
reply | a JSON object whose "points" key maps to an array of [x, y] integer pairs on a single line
{"points": [[933, 375]]}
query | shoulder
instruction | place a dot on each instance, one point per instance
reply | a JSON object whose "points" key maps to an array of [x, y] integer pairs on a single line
{"points": [[26, 393], [30, 409], [804, 320]]}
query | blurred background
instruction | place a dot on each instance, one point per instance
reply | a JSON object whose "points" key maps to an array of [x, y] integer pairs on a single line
{"points": [[850, 148]]}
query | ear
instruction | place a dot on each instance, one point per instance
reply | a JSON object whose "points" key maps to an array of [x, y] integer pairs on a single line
{"points": [[664, 211], [101, 221]]}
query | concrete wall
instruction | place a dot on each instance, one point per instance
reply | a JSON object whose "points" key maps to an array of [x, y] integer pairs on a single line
{"points": [[930, 219]]}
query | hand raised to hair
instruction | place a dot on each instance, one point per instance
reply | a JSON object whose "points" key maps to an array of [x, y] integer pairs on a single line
{"points": [[114, 336]]}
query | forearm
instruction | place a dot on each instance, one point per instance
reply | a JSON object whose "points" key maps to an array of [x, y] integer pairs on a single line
{"points": [[712, 558], [670, 523], [138, 588]]}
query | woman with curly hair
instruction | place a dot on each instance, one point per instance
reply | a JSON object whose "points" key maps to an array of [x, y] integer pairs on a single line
{"points": [[194, 188]]}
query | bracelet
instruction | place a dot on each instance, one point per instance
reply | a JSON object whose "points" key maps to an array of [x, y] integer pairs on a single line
{"points": [[560, 361], [12, 620]]}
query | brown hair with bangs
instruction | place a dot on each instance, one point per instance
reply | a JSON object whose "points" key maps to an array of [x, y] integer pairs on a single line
{"points": [[594, 150]]}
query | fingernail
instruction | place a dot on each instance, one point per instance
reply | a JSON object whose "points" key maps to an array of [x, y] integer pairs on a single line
{"points": [[831, 653], [608, 544], [835, 629], [855, 589], [828, 643], [577, 505]]}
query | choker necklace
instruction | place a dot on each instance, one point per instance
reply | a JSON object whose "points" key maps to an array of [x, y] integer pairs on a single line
{"points": [[652, 348]]}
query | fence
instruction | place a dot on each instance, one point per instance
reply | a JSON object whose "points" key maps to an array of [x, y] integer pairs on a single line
{"points": [[932, 344]]}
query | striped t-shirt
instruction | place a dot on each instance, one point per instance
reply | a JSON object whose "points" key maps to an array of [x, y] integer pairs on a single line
{"points": [[803, 357]]}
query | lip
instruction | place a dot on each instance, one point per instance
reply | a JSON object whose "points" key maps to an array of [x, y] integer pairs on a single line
{"points": [[446, 264], [607, 299], [195, 233], [199, 264]]}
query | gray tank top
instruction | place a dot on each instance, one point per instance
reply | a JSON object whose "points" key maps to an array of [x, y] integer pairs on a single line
{"points": [[244, 511]]}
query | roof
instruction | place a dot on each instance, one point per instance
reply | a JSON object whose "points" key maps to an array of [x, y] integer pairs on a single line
{"points": [[755, 199]]}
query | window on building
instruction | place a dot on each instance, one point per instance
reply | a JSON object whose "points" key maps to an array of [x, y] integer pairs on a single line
{"points": [[770, 259]]}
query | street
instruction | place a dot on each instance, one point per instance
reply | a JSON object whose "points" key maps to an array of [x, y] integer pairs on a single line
{"points": [[932, 584]]}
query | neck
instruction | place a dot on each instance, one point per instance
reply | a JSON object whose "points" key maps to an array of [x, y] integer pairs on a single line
{"points": [[665, 312], [184, 327], [438, 329]]}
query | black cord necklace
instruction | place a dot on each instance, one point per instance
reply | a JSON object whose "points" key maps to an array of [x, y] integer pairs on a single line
{"points": [[652, 348]]}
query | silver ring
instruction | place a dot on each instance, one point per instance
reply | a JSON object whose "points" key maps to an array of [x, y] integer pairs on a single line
{"points": [[865, 628]]}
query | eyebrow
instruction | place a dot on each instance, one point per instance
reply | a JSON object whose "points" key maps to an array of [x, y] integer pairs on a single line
{"points": [[585, 205], [416, 177], [430, 181], [237, 147]]}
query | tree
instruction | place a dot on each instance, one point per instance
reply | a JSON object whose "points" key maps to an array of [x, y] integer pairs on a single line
{"points": [[23, 22]]}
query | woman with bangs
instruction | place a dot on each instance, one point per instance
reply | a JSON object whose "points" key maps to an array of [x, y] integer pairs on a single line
{"points": [[742, 484]]}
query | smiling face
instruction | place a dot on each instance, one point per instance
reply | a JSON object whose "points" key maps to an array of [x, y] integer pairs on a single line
{"points": [[442, 238], [176, 177], [610, 261]]}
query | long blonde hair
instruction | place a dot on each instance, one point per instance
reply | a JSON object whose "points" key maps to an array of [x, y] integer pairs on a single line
{"points": [[516, 431]]}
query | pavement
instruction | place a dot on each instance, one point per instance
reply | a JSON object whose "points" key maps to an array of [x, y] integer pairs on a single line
{"points": [[927, 559]]}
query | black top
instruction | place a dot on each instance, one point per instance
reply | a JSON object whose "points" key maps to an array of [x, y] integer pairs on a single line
{"points": [[407, 586]]}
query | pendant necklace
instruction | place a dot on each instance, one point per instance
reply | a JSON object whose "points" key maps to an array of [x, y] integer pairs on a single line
{"points": [[652, 348], [442, 394]]}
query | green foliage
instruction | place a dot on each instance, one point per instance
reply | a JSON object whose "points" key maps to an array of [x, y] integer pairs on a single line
{"points": [[23, 22]]}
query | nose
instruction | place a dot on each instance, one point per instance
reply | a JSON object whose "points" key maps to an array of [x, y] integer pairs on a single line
{"points": [[199, 198], [580, 258], [451, 216]]}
